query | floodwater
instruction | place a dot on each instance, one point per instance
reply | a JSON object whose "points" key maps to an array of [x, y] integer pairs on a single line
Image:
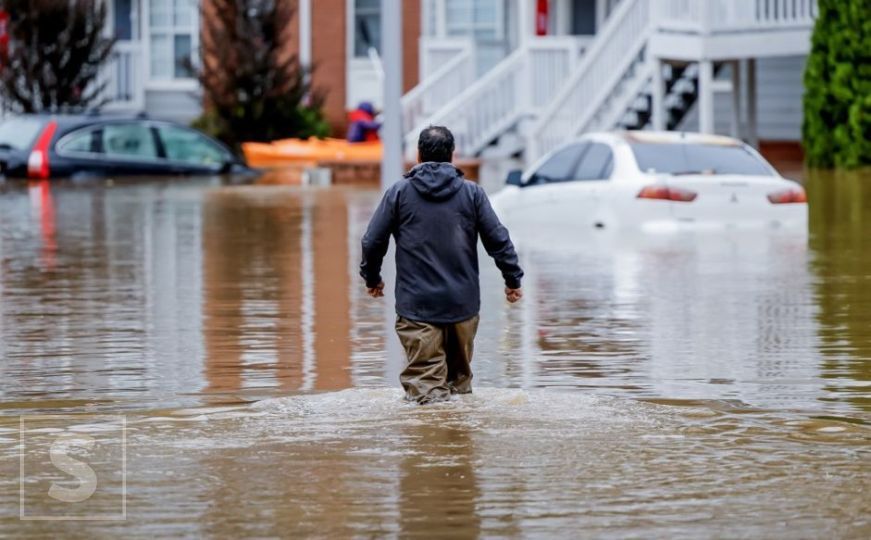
{"points": [[710, 385]]}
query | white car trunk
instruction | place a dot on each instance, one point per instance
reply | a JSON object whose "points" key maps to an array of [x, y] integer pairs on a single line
{"points": [[731, 199]]}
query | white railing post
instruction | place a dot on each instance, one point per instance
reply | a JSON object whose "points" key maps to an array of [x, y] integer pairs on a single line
{"points": [[706, 96], [657, 101], [524, 85], [704, 22]]}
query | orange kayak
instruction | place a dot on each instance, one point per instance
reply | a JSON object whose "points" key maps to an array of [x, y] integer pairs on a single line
{"points": [[309, 152]]}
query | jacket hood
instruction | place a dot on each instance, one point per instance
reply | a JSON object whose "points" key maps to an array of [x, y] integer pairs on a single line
{"points": [[436, 181]]}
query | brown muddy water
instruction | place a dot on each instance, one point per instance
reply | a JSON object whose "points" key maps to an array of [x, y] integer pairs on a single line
{"points": [[678, 386]]}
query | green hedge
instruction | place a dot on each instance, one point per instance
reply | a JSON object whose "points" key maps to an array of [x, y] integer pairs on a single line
{"points": [[837, 99]]}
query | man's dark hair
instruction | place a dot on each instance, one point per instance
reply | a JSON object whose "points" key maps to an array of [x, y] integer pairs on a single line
{"points": [[436, 143]]}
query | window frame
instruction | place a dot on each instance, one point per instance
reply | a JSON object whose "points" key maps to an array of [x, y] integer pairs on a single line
{"points": [[354, 20], [171, 30], [471, 28]]}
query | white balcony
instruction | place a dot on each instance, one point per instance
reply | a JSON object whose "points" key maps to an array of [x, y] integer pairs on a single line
{"points": [[731, 29]]}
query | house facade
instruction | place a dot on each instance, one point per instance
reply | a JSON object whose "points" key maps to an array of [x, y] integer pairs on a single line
{"points": [[512, 74], [157, 38]]}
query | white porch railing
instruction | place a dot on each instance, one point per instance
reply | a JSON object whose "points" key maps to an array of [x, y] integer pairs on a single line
{"points": [[445, 82], [716, 16], [435, 53], [614, 49], [615, 69], [518, 86], [123, 73]]}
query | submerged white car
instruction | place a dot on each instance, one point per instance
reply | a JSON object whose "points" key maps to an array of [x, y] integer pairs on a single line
{"points": [[655, 181]]}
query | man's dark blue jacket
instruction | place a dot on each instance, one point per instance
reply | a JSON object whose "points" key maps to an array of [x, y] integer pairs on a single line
{"points": [[436, 215]]}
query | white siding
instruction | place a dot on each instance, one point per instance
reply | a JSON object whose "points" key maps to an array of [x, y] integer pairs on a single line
{"points": [[177, 105], [779, 91]]}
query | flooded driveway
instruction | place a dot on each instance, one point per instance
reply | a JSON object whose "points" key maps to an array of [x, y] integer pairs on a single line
{"points": [[685, 385]]}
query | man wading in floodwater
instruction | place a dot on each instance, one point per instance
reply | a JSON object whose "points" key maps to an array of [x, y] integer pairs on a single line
{"points": [[435, 217]]}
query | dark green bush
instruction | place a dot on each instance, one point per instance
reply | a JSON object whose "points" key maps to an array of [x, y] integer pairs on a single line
{"points": [[837, 100]]}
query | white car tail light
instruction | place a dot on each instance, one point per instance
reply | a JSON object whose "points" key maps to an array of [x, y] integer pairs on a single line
{"points": [[666, 193], [37, 162], [786, 196]]}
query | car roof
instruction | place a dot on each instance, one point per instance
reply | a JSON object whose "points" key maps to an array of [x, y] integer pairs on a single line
{"points": [[661, 137], [72, 121]]}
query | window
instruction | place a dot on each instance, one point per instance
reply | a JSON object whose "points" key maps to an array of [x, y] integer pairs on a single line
{"points": [[19, 133], [561, 166], [596, 163], [186, 146], [367, 26], [122, 11], [483, 19], [134, 141], [686, 158], [172, 25], [82, 141]]}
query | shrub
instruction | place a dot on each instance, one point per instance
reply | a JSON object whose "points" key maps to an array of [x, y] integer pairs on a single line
{"points": [[837, 100]]}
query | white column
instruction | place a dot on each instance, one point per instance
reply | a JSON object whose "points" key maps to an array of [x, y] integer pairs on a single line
{"points": [[525, 18], [305, 32], [706, 96], [391, 132], [601, 13], [657, 102], [752, 124], [736, 98]]}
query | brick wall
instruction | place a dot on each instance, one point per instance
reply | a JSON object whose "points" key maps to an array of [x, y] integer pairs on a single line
{"points": [[329, 54], [410, 43]]}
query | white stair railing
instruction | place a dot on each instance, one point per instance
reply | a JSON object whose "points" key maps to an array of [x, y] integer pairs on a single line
{"points": [[519, 85], [614, 69], [447, 81], [615, 50]]}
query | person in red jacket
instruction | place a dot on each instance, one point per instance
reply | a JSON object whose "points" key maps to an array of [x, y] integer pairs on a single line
{"points": [[362, 125]]}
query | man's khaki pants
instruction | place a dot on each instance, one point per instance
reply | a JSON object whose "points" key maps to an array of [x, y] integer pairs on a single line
{"points": [[439, 358]]}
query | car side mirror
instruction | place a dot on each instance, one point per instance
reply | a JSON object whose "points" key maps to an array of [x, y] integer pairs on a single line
{"points": [[515, 178]]}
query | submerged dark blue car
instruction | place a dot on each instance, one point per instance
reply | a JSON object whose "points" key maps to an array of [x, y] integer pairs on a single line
{"points": [[43, 146]]}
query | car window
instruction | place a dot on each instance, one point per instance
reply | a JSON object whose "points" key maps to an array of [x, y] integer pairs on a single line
{"points": [[689, 158], [187, 146], [595, 164], [561, 166], [133, 140], [19, 133], [82, 141]]}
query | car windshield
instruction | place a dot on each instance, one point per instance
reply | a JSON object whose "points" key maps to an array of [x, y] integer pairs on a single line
{"points": [[19, 133], [692, 158]]}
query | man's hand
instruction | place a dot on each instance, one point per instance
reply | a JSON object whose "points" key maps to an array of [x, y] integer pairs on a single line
{"points": [[513, 295], [376, 291]]}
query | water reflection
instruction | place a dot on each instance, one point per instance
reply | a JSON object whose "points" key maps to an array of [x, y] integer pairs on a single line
{"points": [[840, 220], [438, 486], [161, 294]]}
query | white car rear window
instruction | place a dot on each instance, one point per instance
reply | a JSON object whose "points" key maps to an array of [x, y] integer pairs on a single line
{"points": [[690, 158]]}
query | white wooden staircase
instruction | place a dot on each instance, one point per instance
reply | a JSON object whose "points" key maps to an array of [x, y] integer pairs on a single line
{"points": [[555, 88]]}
